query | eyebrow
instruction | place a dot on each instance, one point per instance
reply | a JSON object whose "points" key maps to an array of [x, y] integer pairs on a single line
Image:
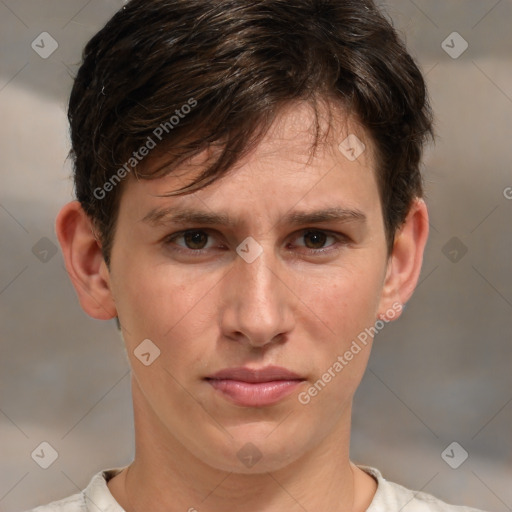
{"points": [[188, 216]]}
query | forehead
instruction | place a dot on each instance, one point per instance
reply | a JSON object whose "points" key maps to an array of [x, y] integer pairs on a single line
{"points": [[284, 165]]}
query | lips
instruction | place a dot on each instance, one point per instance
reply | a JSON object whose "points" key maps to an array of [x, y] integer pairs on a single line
{"points": [[255, 387], [267, 374]]}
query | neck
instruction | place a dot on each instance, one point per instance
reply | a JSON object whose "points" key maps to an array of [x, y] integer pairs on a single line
{"points": [[165, 476]]}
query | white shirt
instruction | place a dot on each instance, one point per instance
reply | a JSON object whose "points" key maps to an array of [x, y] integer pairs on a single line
{"points": [[390, 497]]}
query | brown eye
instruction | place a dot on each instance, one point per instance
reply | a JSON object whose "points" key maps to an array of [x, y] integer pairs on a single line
{"points": [[195, 239], [317, 238], [193, 242], [314, 242]]}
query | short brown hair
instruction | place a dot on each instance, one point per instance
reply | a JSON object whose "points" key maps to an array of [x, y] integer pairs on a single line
{"points": [[234, 64]]}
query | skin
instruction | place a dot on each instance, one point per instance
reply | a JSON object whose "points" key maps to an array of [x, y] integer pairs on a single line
{"points": [[291, 307]]}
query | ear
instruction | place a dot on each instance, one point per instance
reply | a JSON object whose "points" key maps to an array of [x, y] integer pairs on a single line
{"points": [[404, 265], [84, 261]]}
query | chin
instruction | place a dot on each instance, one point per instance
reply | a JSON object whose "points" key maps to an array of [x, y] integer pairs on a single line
{"points": [[255, 454]]}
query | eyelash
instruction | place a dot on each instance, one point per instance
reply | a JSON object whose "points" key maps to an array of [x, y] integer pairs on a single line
{"points": [[339, 239]]}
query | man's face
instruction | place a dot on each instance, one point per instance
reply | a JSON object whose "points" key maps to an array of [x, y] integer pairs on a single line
{"points": [[296, 295]]}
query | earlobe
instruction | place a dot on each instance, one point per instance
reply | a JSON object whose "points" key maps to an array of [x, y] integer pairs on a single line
{"points": [[405, 261], [84, 261]]}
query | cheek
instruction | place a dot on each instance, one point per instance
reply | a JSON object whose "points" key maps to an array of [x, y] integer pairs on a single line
{"points": [[166, 306], [346, 301], [345, 309]]}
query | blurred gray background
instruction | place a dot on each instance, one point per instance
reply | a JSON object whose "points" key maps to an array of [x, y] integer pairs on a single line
{"points": [[440, 374]]}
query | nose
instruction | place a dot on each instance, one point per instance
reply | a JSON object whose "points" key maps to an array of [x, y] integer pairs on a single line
{"points": [[257, 304]]}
